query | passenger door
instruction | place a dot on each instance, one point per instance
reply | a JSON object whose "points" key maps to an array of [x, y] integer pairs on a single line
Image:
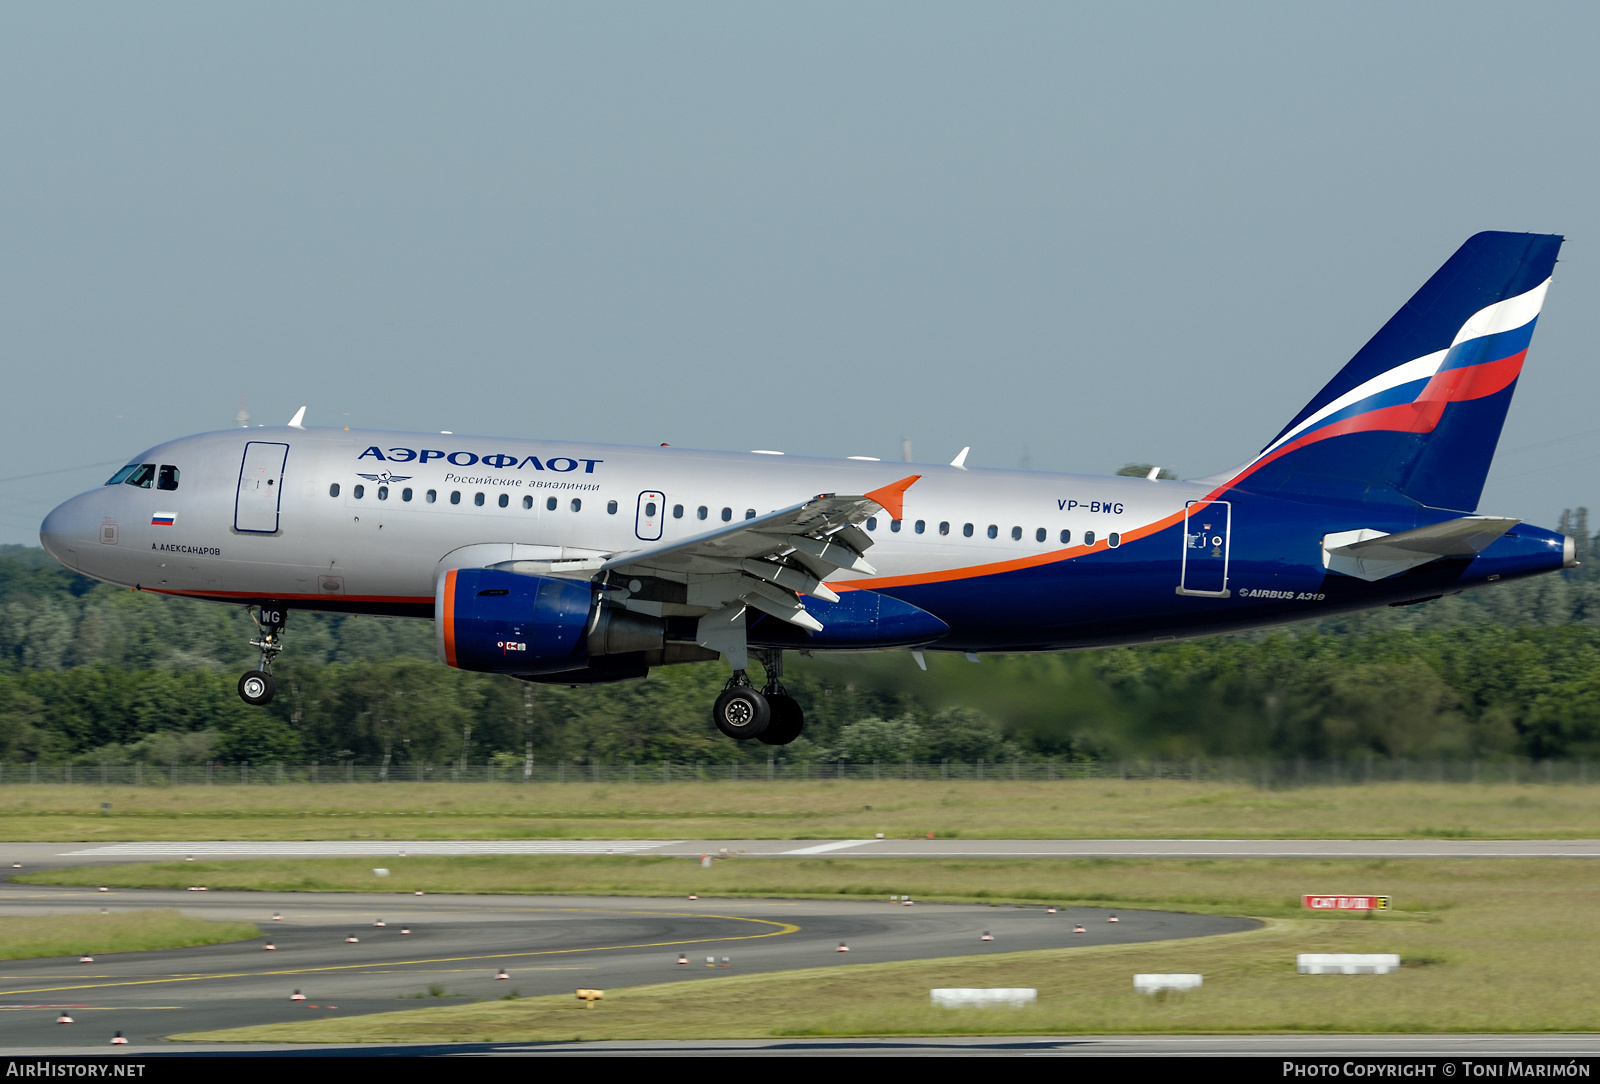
{"points": [[255, 508], [1204, 570]]}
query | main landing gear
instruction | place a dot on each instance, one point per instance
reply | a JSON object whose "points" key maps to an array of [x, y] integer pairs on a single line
{"points": [[256, 686], [770, 715]]}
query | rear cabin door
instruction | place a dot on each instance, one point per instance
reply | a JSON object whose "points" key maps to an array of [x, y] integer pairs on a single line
{"points": [[1205, 548], [255, 509], [652, 510]]}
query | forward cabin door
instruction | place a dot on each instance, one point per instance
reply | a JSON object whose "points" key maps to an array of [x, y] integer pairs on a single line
{"points": [[1205, 548], [255, 509]]}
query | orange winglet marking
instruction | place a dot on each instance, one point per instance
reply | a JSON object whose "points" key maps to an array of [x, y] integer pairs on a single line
{"points": [[892, 496]]}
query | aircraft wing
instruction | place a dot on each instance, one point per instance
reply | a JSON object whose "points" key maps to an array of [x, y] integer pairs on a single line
{"points": [[766, 562]]}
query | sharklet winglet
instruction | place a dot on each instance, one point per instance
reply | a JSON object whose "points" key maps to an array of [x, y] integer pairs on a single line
{"points": [[892, 496]]}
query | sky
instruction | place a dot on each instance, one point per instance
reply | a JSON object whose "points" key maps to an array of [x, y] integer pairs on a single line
{"points": [[1070, 236]]}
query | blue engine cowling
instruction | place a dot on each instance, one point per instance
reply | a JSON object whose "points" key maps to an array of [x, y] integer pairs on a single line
{"points": [[506, 623]]}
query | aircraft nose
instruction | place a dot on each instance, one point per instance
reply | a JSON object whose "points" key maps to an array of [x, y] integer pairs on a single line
{"points": [[65, 531]]}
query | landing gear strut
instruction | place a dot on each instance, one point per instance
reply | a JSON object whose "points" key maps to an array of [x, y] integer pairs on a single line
{"points": [[256, 686]]}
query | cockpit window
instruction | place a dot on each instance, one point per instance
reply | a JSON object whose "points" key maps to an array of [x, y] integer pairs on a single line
{"points": [[122, 475], [142, 476], [168, 478]]}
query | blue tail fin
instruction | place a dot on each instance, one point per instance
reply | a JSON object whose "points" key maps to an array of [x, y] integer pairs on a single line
{"points": [[1416, 414]]}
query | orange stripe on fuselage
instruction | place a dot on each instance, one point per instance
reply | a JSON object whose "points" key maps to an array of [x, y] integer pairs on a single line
{"points": [[996, 568]]}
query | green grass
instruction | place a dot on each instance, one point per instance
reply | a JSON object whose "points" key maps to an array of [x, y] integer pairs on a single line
{"points": [[122, 931], [1502, 945], [799, 810]]}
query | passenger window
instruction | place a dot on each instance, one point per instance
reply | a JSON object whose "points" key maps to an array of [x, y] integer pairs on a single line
{"points": [[550, 504], [1113, 540], [749, 513], [611, 508], [1016, 534], [477, 499], [1088, 538], [1038, 536], [455, 496], [505, 500], [358, 492], [966, 530], [577, 504], [383, 493], [994, 532], [894, 525], [405, 494], [1066, 537], [168, 478], [527, 502], [921, 526], [141, 476], [727, 515], [333, 490], [122, 475], [944, 527], [649, 508], [433, 495], [677, 511], [872, 523], [702, 512]]}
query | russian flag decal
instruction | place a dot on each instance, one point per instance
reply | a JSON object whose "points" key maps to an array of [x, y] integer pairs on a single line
{"points": [[163, 519]]}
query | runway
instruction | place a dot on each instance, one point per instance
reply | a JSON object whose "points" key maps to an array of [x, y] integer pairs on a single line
{"points": [[49, 855], [457, 944]]}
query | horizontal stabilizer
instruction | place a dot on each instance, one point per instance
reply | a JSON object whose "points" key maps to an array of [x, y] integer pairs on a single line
{"points": [[1372, 555]]}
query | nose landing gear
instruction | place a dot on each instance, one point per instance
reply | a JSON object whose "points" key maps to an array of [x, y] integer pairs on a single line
{"points": [[256, 686]]}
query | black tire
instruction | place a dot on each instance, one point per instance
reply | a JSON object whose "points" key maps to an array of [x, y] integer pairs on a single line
{"points": [[741, 713], [257, 687], [788, 720]]}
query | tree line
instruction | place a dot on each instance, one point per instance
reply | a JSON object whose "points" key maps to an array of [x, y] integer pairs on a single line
{"points": [[94, 674]]}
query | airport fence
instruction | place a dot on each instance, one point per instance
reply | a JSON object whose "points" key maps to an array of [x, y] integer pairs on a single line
{"points": [[1235, 771]]}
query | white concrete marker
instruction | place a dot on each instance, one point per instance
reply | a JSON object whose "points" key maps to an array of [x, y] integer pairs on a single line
{"points": [[958, 997], [1149, 984], [1347, 963]]}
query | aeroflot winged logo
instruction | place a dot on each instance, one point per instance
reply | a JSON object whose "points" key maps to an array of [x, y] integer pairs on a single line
{"points": [[385, 477], [497, 460]]}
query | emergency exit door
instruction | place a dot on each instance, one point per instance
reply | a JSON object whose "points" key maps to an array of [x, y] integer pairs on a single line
{"points": [[1205, 548], [255, 508], [652, 511]]}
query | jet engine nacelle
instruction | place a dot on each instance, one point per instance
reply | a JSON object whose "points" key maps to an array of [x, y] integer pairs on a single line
{"points": [[499, 622], [507, 623]]}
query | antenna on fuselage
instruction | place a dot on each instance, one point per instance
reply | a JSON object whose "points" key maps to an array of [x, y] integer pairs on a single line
{"points": [[299, 417], [960, 461]]}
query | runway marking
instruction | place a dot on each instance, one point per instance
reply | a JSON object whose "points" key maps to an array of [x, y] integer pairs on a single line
{"points": [[343, 849], [823, 848], [783, 929]]}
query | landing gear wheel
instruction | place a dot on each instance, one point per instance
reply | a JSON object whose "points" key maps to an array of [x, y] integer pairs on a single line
{"points": [[787, 720], [257, 687], [741, 712]]}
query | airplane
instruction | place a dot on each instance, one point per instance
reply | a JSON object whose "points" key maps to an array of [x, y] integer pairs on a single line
{"points": [[560, 562]]}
